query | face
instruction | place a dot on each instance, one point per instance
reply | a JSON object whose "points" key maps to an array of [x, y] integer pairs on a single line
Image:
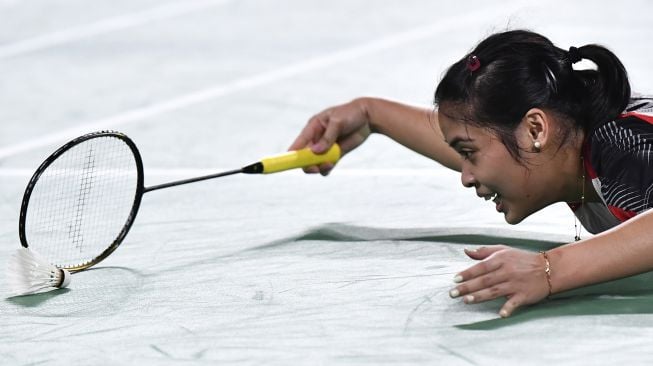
{"points": [[497, 177]]}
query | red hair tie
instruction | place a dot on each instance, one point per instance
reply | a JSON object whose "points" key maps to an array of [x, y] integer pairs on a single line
{"points": [[473, 63]]}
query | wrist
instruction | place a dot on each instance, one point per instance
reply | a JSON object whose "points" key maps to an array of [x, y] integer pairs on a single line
{"points": [[547, 272], [366, 105]]}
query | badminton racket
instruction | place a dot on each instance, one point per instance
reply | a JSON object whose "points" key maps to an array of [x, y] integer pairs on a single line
{"points": [[82, 200]]}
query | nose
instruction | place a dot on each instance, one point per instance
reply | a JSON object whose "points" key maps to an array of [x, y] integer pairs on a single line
{"points": [[467, 178]]}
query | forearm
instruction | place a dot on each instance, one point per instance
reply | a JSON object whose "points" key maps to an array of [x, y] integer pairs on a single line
{"points": [[620, 252], [416, 128]]}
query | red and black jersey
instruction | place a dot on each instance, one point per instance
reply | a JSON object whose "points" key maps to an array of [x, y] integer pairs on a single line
{"points": [[618, 156]]}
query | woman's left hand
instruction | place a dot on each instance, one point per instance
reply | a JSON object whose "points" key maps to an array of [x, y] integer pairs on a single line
{"points": [[518, 275]]}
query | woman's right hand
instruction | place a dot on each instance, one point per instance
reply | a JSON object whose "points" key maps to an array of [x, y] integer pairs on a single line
{"points": [[347, 124]]}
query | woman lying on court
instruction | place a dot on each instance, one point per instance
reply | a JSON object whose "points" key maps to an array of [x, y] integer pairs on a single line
{"points": [[526, 130]]}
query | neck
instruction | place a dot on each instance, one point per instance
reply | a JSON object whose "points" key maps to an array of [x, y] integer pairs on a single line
{"points": [[575, 186], [567, 173]]}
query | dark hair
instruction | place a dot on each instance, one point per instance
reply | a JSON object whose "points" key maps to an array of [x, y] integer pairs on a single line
{"points": [[520, 70]]}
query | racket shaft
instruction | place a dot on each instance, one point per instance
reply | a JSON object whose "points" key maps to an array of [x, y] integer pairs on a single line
{"points": [[272, 164], [192, 180]]}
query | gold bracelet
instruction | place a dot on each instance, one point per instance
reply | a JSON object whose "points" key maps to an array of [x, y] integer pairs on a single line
{"points": [[547, 270]]}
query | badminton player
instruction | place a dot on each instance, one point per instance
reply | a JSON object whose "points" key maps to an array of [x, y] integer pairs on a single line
{"points": [[526, 129]]}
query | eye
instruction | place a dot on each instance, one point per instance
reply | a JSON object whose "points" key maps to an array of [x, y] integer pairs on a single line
{"points": [[465, 153]]}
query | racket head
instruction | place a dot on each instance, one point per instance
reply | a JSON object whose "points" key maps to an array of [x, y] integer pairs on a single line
{"points": [[82, 200]]}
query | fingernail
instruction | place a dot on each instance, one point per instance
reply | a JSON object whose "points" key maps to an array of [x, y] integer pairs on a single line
{"points": [[469, 299], [325, 169], [458, 279], [471, 250], [454, 293], [503, 314], [318, 146]]}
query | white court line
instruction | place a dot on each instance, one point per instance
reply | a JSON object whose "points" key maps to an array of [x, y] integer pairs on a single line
{"points": [[106, 26], [362, 172], [189, 173], [138, 115]]}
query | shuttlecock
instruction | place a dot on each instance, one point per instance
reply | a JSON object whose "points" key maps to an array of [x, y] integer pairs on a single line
{"points": [[29, 273]]}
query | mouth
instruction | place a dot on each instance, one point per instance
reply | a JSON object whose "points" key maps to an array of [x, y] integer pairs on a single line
{"points": [[496, 198]]}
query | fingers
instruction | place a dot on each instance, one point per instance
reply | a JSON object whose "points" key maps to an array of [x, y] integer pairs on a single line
{"points": [[319, 134], [323, 169], [313, 169], [483, 252], [482, 288], [512, 303], [347, 144], [347, 124], [502, 272], [311, 136], [509, 307], [328, 138], [310, 133], [485, 266], [486, 288]]}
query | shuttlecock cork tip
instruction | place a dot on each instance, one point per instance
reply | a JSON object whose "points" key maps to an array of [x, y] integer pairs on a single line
{"points": [[65, 278]]}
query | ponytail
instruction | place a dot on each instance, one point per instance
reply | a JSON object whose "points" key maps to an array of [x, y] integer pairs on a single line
{"points": [[605, 92]]}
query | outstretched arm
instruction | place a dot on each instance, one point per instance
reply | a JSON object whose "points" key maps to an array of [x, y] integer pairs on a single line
{"points": [[520, 275], [350, 124], [622, 251]]}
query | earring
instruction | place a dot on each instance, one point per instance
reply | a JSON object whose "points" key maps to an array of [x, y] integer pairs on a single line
{"points": [[537, 146]]}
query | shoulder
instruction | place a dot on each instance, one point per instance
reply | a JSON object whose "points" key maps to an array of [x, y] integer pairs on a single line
{"points": [[631, 132], [620, 152], [640, 104], [620, 155]]}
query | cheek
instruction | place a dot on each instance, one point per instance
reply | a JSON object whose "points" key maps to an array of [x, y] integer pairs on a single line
{"points": [[513, 179], [521, 195]]}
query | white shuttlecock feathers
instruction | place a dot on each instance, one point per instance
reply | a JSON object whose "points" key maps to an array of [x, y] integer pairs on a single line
{"points": [[29, 273]]}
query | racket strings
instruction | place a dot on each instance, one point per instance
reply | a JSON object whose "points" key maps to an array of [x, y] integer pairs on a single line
{"points": [[81, 202], [86, 183]]}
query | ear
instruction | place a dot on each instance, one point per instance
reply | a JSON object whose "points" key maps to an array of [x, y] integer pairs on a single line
{"points": [[535, 127]]}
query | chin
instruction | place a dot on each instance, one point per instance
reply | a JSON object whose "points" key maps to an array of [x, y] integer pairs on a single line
{"points": [[513, 219]]}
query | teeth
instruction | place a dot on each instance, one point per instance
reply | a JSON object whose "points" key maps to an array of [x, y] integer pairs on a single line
{"points": [[492, 197]]}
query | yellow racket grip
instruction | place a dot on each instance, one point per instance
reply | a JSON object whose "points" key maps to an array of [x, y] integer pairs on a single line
{"points": [[299, 159]]}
